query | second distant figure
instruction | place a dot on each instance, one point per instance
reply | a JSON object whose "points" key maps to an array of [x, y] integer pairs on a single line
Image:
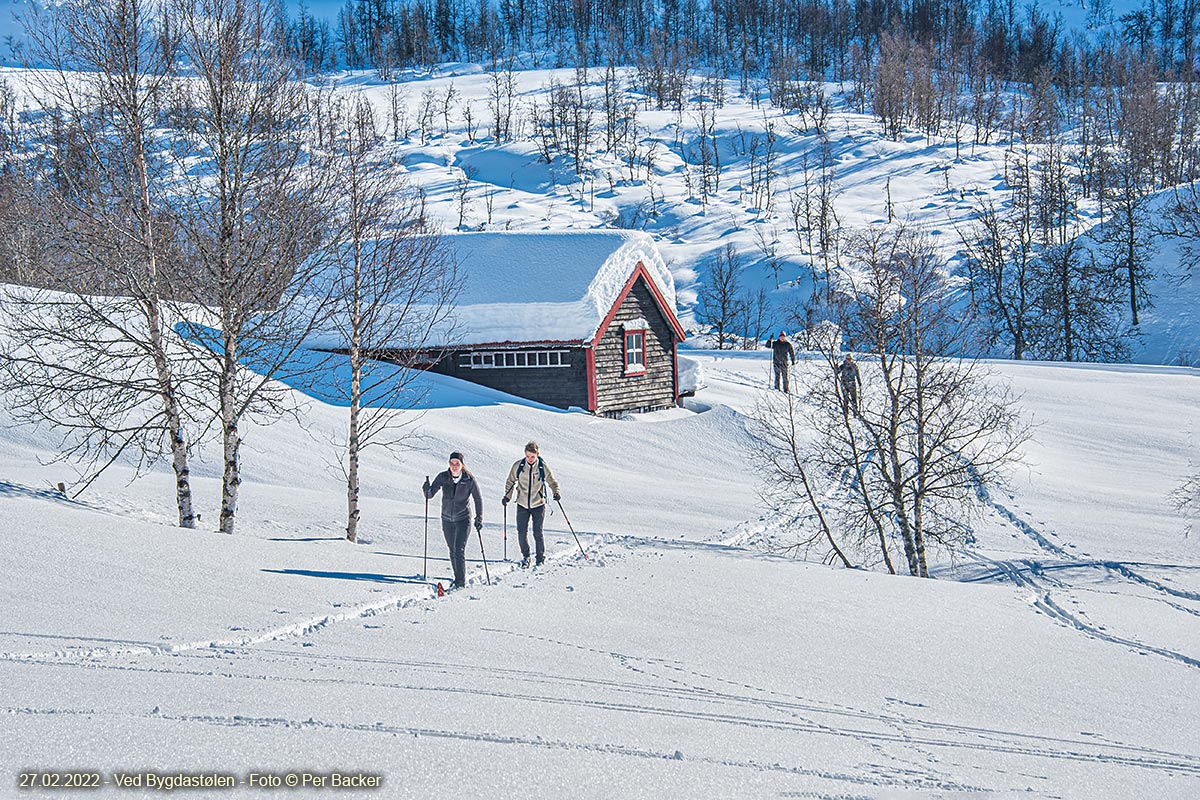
{"points": [[527, 482], [851, 381], [458, 487]]}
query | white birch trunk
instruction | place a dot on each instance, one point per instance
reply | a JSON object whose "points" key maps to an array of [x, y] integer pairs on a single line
{"points": [[355, 392], [352, 471], [231, 479], [162, 365]]}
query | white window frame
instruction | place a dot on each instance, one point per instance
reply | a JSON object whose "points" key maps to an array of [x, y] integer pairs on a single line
{"points": [[514, 359], [639, 367]]}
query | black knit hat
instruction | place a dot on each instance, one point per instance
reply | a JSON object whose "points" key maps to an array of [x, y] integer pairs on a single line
{"points": [[457, 455]]}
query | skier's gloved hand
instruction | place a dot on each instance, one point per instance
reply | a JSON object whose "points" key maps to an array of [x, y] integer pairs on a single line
{"points": [[557, 496], [504, 501], [478, 525], [425, 486]]}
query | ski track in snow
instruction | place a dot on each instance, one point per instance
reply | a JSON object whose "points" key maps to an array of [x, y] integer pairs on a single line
{"points": [[910, 752], [909, 779], [294, 630], [737, 704], [1034, 575], [742, 705], [312, 625]]}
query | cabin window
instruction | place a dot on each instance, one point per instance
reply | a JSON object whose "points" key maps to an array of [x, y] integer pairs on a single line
{"points": [[511, 359], [635, 352]]}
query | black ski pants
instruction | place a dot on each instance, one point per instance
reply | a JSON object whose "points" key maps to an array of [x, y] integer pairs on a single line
{"points": [[849, 398], [781, 369], [456, 534], [538, 514]]}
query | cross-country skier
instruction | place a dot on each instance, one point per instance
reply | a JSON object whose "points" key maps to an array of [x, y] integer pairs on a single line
{"points": [[782, 351], [527, 482], [457, 486], [847, 373]]}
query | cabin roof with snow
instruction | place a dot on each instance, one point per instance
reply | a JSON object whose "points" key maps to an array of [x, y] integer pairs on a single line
{"points": [[559, 286]]}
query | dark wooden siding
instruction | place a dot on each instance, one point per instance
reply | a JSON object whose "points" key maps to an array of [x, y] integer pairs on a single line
{"points": [[562, 387], [616, 391]]}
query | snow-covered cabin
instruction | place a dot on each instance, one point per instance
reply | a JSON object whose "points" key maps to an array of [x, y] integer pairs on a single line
{"points": [[571, 319]]}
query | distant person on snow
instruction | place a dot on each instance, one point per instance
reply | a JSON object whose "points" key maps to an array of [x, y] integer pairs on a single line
{"points": [[782, 352], [527, 481], [457, 486], [847, 373]]}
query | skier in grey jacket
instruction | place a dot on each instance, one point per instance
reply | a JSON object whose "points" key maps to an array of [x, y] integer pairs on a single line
{"points": [[527, 482], [851, 382], [458, 487]]}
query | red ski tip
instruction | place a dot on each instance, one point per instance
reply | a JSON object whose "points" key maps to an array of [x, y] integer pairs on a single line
{"points": [[441, 592]]}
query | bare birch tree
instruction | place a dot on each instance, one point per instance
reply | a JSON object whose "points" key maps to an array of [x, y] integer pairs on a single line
{"points": [[1000, 256], [931, 434], [255, 214], [1186, 498], [394, 285], [95, 354], [1127, 236], [722, 303]]}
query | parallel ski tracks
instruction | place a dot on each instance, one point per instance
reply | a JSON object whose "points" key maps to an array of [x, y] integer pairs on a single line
{"points": [[1034, 576]]}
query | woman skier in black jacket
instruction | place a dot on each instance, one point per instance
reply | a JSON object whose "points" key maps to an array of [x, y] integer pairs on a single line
{"points": [[457, 486]]}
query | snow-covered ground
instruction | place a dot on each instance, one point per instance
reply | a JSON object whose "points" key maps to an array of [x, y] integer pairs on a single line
{"points": [[1058, 657]]}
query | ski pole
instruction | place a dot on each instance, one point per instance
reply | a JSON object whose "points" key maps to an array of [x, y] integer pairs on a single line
{"points": [[425, 559], [505, 531], [483, 555], [572, 527]]}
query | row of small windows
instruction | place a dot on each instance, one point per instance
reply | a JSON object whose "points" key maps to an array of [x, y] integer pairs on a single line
{"points": [[507, 358]]}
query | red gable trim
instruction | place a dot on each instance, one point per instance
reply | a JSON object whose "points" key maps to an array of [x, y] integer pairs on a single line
{"points": [[593, 402], [640, 272]]}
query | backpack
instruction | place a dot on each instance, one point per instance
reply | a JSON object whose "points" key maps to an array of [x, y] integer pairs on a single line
{"points": [[541, 469], [541, 473]]}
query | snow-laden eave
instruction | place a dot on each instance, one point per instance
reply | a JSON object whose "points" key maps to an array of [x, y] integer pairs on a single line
{"points": [[668, 311], [542, 288], [638, 256]]}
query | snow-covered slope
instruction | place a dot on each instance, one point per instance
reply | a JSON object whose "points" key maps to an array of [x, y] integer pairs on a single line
{"points": [[1057, 657], [932, 184], [935, 185]]}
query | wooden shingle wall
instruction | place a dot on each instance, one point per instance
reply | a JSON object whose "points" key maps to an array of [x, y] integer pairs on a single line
{"points": [[616, 391]]}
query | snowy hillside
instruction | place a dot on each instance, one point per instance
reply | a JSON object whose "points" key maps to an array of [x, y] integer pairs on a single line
{"points": [[440, 123], [935, 186], [1056, 657]]}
